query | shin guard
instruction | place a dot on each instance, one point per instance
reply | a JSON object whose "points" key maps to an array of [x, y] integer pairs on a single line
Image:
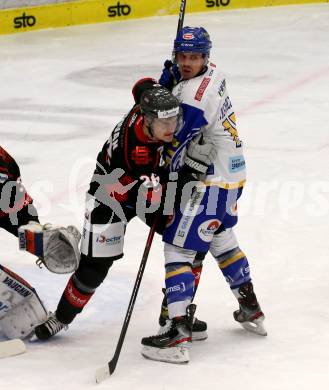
{"points": [[179, 288], [235, 267], [73, 300]]}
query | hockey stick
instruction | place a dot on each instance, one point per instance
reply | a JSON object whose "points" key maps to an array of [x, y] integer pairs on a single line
{"points": [[11, 348], [106, 371], [181, 16], [180, 24]]}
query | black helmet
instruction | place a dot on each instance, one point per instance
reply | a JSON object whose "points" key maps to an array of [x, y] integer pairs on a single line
{"points": [[159, 102]]}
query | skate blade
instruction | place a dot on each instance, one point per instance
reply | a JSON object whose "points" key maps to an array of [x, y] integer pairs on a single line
{"points": [[33, 338], [199, 336], [256, 327], [175, 355]]}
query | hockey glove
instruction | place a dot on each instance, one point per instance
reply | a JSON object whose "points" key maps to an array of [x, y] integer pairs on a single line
{"points": [[170, 75], [200, 155], [56, 247]]}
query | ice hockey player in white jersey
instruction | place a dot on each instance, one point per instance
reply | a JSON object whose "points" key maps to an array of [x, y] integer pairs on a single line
{"points": [[207, 221]]}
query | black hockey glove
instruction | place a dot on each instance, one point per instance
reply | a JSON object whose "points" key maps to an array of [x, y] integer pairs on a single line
{"points": [[170, 75]]}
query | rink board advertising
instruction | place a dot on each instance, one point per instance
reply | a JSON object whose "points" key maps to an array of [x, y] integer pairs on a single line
{"points": [[96, 11]]}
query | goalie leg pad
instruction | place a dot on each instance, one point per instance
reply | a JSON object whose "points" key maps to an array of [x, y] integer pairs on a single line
{"points": [[21, 320], [13, 290], [21, 306]]}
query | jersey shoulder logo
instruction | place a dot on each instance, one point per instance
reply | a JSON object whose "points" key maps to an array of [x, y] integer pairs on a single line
{"points": [[201, 90]]}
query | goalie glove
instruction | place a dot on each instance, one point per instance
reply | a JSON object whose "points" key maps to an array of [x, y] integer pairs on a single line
{"points": [[56, 247], [200, 155]]}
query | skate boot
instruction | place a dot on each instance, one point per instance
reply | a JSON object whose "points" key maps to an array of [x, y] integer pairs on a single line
{"points": [[249, 315], [49, 328], [199, 328], [170, 346]]}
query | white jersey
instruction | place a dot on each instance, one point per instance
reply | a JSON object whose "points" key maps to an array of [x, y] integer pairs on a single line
{"points": [[207, 108]]}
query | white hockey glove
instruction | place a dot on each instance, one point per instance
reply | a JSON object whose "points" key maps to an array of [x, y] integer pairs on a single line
{"points": [[200, 155], [56, 247], [21, 309]]}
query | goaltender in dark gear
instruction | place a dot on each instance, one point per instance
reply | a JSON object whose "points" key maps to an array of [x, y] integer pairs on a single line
{"points": [[57, 248]]}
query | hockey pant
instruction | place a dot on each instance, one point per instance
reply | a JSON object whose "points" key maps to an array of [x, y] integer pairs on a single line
{"points": [[101, 244]]}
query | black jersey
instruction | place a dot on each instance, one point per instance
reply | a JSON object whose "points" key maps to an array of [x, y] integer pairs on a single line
{"points": [[13, 197], [134, 155], [9, 169]]}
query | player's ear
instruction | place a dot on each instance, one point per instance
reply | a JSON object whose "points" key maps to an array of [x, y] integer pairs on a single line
{"points": [[147, 120]]}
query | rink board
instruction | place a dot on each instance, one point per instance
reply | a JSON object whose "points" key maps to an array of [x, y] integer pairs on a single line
{"points": [[98, 11]]}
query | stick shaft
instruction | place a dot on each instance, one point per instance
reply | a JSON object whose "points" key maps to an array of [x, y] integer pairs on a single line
{"points": [[112, 364], [181, 16]]}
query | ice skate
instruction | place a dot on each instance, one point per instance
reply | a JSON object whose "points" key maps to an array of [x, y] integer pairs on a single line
{"points": [[199, 328], [48, 329], [170, 346], [250, 315]]}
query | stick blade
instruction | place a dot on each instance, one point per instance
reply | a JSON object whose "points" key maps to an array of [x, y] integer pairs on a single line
{"points": [[12, 348], [102, 373]]}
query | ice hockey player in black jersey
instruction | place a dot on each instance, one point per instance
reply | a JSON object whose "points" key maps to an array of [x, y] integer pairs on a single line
{"points": [[126, 181]]}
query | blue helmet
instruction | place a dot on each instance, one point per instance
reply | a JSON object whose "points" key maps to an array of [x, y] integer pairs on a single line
{"points": [[193, 40]]}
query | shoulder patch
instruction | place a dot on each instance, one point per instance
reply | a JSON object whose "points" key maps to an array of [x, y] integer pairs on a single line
{"points": [[222, 88], [202, 88]]}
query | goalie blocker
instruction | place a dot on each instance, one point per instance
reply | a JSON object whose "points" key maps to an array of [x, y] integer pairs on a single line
{"points": [[20, 306], [56, 247]]}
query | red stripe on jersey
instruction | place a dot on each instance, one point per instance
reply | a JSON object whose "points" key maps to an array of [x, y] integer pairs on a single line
{"points": [[202, 88], [30, 244]]}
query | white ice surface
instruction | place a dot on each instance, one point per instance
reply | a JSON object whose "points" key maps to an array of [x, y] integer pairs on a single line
{"points": [[61, 92]]}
